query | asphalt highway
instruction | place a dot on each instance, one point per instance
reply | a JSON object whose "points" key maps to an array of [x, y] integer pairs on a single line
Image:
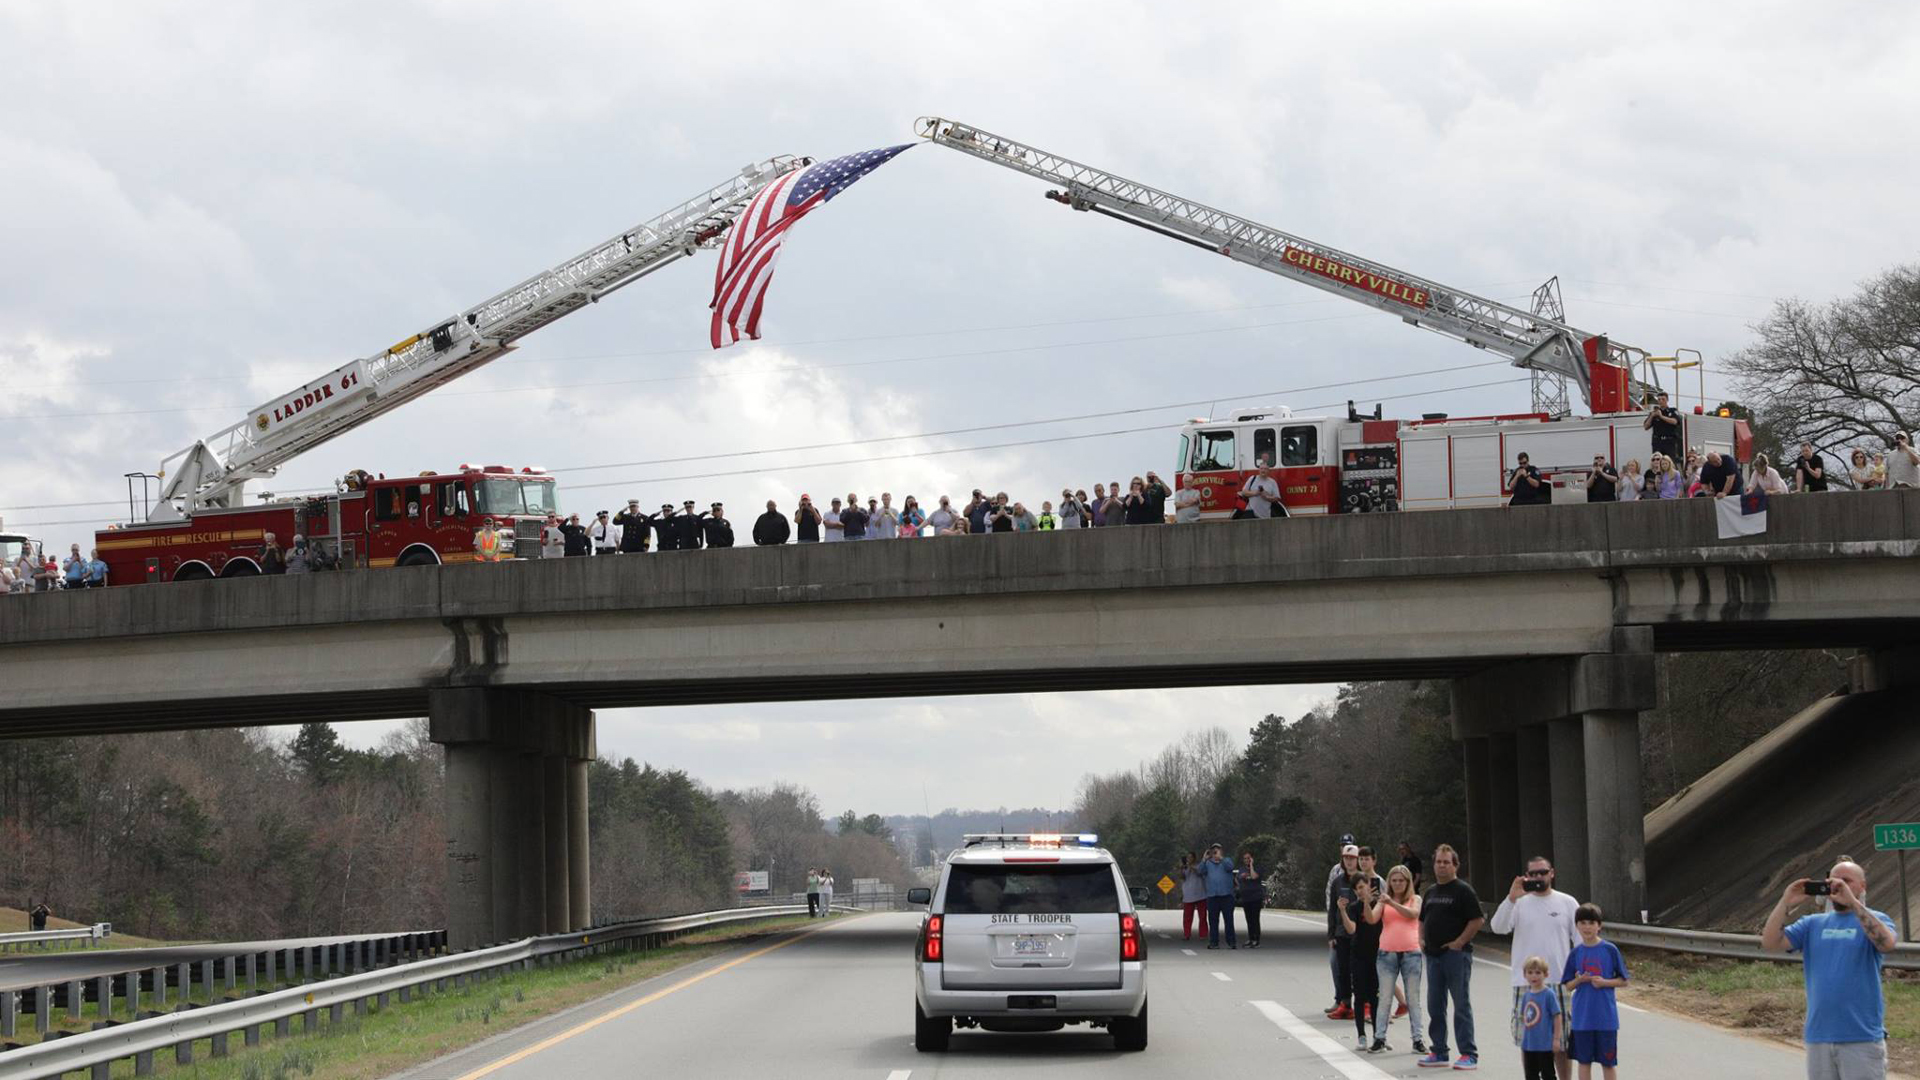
{"points": [[20, 970], [838, 1002]]}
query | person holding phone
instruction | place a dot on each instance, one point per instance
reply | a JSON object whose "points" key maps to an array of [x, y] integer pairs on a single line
{"points": [[1844, 948], [1903, 463], [1526, 484], [1540, 918]]}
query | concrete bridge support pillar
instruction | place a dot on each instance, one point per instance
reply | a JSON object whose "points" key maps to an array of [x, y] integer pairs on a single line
{"points": [[1567, 791], [1533, 765], [1553, 768], [516, 794], [1477, 858]]}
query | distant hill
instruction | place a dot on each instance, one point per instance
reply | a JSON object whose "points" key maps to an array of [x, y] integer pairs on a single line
{"points": [[925, 839]]}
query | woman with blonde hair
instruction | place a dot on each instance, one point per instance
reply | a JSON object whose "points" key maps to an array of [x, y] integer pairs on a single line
{"points": [[1399, 917], [1763, 477], [1630, 481]]}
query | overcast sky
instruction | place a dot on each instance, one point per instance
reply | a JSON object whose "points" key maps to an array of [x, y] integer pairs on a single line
{"points": [[203, 205]]}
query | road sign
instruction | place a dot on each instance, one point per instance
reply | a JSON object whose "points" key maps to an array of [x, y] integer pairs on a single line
{"points": [[1904, 837], [1166, 884]]}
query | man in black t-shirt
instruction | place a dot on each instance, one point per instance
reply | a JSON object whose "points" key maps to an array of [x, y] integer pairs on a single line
{"points": [[1719, 476], [1528, 488], [1450, 916], [1810, 471], [1664, 422], [1603, 483]]}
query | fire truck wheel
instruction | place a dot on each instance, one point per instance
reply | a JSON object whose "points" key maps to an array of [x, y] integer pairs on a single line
{"points": [[417, 558], [194, 572]]}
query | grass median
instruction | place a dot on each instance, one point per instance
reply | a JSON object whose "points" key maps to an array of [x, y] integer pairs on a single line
{"points": [[1763, 997], [385, 1041]]}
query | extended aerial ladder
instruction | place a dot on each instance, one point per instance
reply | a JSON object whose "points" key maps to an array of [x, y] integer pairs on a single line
{"points": [[213, 472], [1609, 375]]}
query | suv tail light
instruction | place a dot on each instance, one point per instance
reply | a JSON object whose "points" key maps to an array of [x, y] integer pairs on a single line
{"points": [[1130, 940], [930, 940]]}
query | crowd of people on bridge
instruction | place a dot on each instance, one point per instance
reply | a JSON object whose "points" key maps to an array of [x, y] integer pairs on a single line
{"points": [[1387, 934], [1672, 472], [633, 531]]}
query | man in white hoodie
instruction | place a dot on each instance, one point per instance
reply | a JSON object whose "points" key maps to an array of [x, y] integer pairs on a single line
{"points": [[1540, 918]]}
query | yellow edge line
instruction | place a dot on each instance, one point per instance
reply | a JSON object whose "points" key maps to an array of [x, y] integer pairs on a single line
{"points": [[554, 1040]]}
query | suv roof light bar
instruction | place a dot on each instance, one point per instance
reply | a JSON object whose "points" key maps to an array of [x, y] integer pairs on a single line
{"points": [[1031, 839]]}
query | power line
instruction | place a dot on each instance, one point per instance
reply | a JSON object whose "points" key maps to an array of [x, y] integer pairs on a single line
{"points": [[923, 435], [907, 455]]}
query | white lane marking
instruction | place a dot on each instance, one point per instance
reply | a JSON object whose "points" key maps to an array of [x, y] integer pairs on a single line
{"points": [[1189, 952], [1223, 976], [1333, 1053], [899, 1074]]}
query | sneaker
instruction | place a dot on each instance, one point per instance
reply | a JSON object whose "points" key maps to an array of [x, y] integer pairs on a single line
{"points": [[1234, 947], [1379, 1047], [1360, 1044], [1340, 1012], [1330, 1010], [1434, 1061], [1213, 946], [1400, 1010], [1419, 1046], [1467, 1062]]}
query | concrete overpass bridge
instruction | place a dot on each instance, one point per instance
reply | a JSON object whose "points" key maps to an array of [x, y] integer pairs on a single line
{"points": [[1546, 617]]}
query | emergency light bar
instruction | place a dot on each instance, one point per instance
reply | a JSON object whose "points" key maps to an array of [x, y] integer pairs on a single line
{"points": [[1032, 839]]}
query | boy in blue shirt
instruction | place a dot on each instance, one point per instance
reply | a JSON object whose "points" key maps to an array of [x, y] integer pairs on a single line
{"points": [[1594, 969], [1542, 1026]]}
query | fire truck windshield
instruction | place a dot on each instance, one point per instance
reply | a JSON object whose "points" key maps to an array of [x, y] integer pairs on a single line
{"points": [[517, 497]]}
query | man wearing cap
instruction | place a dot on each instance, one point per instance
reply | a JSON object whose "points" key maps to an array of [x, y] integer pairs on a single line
{"points": [[807, 520], [718, 530], [830, 521], [668, 526], [1339, 943], [1217, 872], [771, 529], [687, 528], [633, 527], [602, 534]]}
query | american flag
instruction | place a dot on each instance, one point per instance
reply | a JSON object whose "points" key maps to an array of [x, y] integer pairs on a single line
{"points": [[747, 258]]}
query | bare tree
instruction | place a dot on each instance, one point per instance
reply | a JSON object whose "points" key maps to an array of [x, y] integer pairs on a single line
{"points": [[1841, 375]]}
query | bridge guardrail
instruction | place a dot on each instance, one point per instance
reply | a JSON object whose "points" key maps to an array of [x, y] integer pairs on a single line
{"points": [[1905, 956], [87, 934], [180, 1030]]}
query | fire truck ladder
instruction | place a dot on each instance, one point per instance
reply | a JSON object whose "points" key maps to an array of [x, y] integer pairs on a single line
{"points": [[1537, 340], [214, 471]]}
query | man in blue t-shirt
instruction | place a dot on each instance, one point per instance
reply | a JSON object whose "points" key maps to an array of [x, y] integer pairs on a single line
{"points": [[1846, 1030], [1217, 873]]}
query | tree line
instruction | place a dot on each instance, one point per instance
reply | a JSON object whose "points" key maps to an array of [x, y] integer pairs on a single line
{"points": [[234, 834]]}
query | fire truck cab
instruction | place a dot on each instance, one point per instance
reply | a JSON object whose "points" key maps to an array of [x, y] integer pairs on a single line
{"points": [[1217, 457], [371, 521]]}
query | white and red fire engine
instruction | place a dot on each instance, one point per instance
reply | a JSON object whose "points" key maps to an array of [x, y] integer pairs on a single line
{"points": [[200, 527], [1357, 464]]}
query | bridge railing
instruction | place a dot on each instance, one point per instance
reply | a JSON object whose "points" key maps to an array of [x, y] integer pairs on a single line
{"points": [[212, 1025], [83, 934], [1905, 956]]}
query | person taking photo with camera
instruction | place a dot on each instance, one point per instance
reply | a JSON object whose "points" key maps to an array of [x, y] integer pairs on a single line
{"points": [[1540, 918], [1843, 948]]}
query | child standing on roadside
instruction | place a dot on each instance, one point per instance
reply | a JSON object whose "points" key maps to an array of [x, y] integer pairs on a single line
{"points": [[1543, 1028], [1594, 969]]}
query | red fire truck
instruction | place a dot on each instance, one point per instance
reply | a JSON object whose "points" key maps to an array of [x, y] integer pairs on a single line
{"points": [[199, 525], [1358, 463]]}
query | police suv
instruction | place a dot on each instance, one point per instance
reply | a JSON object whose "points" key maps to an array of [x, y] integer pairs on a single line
{"points": [[1029, 932]]}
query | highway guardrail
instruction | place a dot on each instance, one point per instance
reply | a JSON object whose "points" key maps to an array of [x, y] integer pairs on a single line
{"points": [[179, 1031], [88, 934], [1905, 956]]}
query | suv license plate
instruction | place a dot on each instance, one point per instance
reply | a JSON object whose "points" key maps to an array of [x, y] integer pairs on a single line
{"points": [[1030, 1001], [1031, 945]]}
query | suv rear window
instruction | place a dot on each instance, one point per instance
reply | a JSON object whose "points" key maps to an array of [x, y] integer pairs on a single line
{"points": [[1079, 889]]}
